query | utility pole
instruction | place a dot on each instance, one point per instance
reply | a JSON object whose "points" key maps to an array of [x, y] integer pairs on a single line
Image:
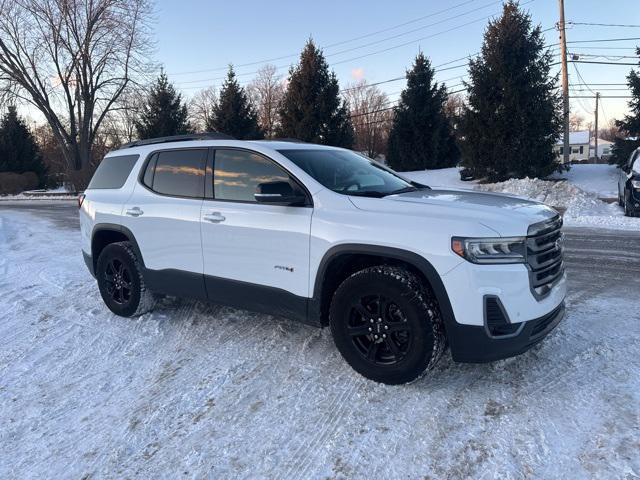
{"points": [[565, 84], [596, 121]]}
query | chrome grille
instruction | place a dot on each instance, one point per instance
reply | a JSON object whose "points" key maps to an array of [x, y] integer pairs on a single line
{"points": [[545, 244]]}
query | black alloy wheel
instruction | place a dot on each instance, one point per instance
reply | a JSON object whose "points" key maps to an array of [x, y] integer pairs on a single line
{"points": [[379, 330], [118, 281]]}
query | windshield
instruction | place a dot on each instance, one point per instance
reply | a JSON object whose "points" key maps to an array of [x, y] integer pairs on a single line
{"points": [[349, 173]]}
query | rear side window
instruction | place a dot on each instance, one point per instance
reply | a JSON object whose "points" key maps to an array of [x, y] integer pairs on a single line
{"points": [[177, 172], [113, 172]]}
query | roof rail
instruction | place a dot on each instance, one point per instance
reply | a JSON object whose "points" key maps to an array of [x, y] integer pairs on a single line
{"points": [[180, 138], [285, 139]]}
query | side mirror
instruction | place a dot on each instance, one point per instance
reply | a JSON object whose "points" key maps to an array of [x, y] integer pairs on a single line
{"points": [[279, 193]]}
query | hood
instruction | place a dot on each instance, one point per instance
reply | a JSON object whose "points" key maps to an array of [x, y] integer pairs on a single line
{"points": [[504, 214]]}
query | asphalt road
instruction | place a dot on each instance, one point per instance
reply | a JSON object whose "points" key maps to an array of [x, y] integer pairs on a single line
{"points": [[199, 391]]}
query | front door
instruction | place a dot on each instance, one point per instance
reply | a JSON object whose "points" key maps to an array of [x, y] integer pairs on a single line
{"points": [[255, 255]]}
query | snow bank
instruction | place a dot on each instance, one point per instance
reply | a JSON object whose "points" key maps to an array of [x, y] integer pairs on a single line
{"points": [[581, 208], [576, 192]]}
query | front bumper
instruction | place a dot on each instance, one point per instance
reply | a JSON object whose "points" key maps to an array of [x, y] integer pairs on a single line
{"points": [[473, 344]]}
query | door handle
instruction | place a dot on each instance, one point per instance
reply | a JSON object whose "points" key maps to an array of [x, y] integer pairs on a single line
{"points": [[134, 212], [214, 217]]}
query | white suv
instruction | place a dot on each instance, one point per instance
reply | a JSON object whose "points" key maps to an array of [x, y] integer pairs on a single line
{"points": [[328, 237]]}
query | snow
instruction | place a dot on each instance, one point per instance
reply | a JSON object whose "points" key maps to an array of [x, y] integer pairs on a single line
{"points": [[601, 180], [199, 391], [578, 193]]}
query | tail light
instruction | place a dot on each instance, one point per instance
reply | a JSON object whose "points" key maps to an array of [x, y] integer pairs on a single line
{"points": [[81, 199]]}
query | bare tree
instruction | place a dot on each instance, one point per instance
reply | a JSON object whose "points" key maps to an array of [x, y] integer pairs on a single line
{"points": [[371, 116], [72, 59], [610, 131], [454, 106], [201, 108], [576, 122], [266, 92], [119, 125]]}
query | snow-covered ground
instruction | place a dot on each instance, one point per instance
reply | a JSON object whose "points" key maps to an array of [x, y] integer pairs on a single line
{"points": [[199, 391], [579, 194]]}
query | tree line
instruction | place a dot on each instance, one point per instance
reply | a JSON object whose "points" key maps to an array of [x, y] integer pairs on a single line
{"points": [[504, 126]]}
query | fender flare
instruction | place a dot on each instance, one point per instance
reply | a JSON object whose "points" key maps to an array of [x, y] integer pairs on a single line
{"points": [[98, 227], [417, 261]]}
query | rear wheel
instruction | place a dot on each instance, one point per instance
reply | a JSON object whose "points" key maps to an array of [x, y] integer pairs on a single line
{"points": [[387, 325], [120, 281]]}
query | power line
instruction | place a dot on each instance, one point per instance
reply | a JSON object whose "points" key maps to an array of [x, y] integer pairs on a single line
{"points": [[608, 57], [605, 40], [602, 24], [399, 25], [603, 96], [602, 63], [415, 29], [353, 39], [360, 56]]}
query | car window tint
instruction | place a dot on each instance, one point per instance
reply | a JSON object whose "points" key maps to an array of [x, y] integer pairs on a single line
{"points": [[237, 173], [148, 173], [113, 171], [180, 173]]}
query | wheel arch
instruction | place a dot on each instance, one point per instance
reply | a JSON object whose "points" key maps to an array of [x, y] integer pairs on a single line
{"points": [[104, 234], [342, 260]]}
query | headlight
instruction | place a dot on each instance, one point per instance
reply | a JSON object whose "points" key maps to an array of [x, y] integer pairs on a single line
{"points": [[490, 250], [635, 184]]}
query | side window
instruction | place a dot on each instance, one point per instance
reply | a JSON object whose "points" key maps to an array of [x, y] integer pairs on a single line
{"points": [[113, 172], [177, 172], [237, 173], [634, 164]]}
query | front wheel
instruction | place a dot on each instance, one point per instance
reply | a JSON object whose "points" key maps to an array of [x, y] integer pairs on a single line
{"points": [[386, 324], [120, 281]]}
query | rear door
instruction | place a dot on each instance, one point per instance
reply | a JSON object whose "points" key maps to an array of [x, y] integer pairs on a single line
{"points": [[265, 247], [164, 215]]}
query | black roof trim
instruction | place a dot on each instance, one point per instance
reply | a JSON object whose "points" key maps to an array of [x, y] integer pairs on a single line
{"points": [[285, 139], [180, 138]]}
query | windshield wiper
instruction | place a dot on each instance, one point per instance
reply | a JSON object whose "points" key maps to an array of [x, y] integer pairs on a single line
{"points": [[368, 193], [402, 190]]}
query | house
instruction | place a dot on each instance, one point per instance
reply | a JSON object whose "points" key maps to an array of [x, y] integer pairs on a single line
{"points": [[579, 145]]}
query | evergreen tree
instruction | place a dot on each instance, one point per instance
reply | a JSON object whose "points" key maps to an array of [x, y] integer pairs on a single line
{"points": [[312, 109], [19, 152], [512, 118], [233, 114], [630, 125], [163, 113], [421, 136]]}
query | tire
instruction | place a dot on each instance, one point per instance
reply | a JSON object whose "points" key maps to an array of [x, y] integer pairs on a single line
{"points": [[628, 210], [398, 345], [120, 281]]}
